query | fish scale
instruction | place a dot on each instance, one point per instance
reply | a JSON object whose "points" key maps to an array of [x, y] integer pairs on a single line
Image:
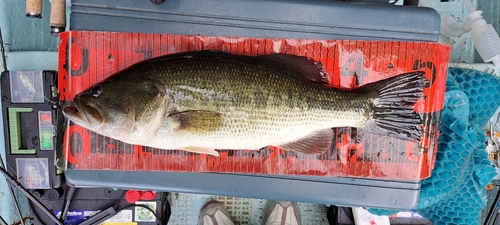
{"points": [[284, 108], [280, 90]]}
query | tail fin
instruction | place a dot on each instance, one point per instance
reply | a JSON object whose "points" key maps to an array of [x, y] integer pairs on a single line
{"points": [[393, 102]]}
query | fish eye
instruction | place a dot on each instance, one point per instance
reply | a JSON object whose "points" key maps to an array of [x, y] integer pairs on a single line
{"points": [[96, 91]]}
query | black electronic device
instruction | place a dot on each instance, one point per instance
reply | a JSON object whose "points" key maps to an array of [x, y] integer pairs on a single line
{"points": [[29, 107], [30, 118]]}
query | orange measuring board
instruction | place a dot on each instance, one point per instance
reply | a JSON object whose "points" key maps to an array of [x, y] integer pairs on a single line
{"points": [[88, 57]]}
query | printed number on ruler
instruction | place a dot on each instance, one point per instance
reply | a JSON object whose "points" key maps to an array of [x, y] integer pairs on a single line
{"points": [[350, 69]]}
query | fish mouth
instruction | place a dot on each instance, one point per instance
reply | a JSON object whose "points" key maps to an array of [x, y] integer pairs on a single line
{"points": [[85, 115]]}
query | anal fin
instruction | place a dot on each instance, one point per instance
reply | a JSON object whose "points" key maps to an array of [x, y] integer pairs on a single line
{"points": [[201, 150], [317, 143]]}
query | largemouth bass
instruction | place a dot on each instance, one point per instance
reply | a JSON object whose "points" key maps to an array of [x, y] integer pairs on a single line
{"points": [[204, 101]]}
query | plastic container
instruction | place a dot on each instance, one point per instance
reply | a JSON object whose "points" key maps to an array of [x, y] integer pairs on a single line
{"points": [[318, 29], [398, 165], [317, 19], [33, 173]]}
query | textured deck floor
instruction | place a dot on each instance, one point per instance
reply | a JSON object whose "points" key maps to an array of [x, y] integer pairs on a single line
{"points": [[185, 209]]}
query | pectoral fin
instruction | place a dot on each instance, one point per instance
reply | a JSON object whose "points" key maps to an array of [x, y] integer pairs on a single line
{"points": [[201, 150], [197, 121], [317, 143]]}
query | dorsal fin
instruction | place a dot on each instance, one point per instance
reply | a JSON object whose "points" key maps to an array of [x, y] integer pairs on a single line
{"points": [[308, 69]]}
